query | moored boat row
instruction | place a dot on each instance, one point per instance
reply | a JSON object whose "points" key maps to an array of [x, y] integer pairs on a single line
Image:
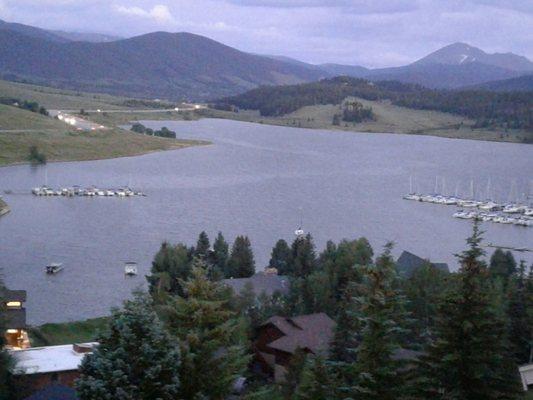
{"points": [[495, 217], [87, 192]]}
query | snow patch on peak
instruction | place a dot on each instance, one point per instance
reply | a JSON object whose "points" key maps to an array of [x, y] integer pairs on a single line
{"points": [[463, 58]]}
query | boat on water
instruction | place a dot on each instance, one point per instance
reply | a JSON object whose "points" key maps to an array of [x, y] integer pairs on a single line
{"points": [[53, 268], [130, 268], [299, 232]]}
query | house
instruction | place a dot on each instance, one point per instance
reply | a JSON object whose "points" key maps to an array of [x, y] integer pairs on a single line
{"points": [[14, 314], [526, 375], [278, 339], [42, 369], [268, 283], [408, 263]]}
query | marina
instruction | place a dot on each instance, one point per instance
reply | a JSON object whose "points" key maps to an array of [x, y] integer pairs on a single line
{"points": [[511, 213], [87, 192]]}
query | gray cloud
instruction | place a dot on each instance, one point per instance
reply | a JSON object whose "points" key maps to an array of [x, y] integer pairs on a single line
{"points": [[371, 33]]}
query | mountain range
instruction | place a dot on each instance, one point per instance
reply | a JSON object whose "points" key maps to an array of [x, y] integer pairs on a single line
{"points": [[187, 66]]}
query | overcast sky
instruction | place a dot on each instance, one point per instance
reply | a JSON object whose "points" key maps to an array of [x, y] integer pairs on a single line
{"points": [[373, 33]]}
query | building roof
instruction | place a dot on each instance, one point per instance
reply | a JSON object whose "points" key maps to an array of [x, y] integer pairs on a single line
{"points": [[12, 295], [313, 332], [15, 318], [38, 360], [54, 392], [408, 263], [261, 283]]}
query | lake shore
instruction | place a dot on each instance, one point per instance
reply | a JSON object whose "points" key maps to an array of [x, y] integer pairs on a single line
{"points": [[4, 208]]}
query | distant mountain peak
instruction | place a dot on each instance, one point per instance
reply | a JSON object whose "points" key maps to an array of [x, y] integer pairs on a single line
{"points": [[462, 53]]}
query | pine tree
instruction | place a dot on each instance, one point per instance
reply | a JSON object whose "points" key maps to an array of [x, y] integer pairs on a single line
{"points": [[424, 289], [211, 338], [241, 263], [345, 338], [303, 257], [380, 317], [520, 295], [316, 382], [469, 358], [203, 247], [280, 257], [171, 263], [220, 253], [135, 358], [502, 265], [294, 373]]}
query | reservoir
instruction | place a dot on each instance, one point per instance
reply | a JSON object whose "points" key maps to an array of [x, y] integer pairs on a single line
{"points": [[256, 180]]}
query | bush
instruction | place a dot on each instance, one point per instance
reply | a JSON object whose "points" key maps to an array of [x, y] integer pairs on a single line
{"points": [[36, 157]]}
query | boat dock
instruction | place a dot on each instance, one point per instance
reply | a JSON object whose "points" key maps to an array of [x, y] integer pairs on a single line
{"points": [[76, 191], [487, 211]]}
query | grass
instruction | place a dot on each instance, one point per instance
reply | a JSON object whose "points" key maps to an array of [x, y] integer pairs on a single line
{"points": [[389, 119], [22, 129], [60, 99], [67, 333], [83, 145]]}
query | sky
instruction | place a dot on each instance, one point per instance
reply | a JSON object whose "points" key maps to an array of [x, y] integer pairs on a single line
{"points": [[372, 33]]}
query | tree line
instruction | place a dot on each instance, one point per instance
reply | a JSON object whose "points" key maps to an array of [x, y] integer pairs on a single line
{"points": [[507, 110], [163, 132], [427, 335], [32, 106]]}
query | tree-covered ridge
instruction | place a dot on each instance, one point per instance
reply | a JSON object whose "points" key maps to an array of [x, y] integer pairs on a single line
{"points": [[512, 110]]}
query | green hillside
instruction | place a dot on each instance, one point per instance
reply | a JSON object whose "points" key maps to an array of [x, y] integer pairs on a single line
{"points": [[20, 129], [60, 99], [389, 119]]}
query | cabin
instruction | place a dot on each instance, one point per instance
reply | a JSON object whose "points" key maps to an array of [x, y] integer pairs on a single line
{"points": [[526, 375], [279, 338], [47, 369], [408, 263], [13, 312], [266, 282]]}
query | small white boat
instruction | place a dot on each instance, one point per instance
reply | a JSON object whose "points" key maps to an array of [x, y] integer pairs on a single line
{"points": [[53, 268], [412, 196], [513, 209], [100, 193], [130, 268], [299, 232], [120, 193], [490, 206], [109, 193]]}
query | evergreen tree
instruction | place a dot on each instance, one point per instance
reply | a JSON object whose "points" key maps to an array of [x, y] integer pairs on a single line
{"points": [[345, 338], [7, 363], [316, 382], [280, 257], [211, 338], [220, 253], [241, 263], [469, 358], [135, 358], [203, 247], [521, 322], [303, 257], [502, 265], [424, 289], [294, 373], [380, 315], [171, 264]]}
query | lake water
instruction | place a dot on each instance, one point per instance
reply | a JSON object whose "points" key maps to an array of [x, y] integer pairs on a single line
{"points": [[257, 180]]}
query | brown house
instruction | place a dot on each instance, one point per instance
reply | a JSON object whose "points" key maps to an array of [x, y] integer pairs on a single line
{"points": [[41, 368], [13, 312], [280, 337]]}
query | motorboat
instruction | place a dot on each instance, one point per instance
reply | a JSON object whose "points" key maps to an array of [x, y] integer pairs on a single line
{"points": [[53, 268], [130, 268]]}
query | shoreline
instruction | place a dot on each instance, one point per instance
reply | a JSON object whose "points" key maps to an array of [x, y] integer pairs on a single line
{"points": [[4, 207], [141, 153], [443, 132]]}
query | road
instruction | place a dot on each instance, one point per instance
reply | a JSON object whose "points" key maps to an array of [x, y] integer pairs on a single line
{"points": [[68, 116]]}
